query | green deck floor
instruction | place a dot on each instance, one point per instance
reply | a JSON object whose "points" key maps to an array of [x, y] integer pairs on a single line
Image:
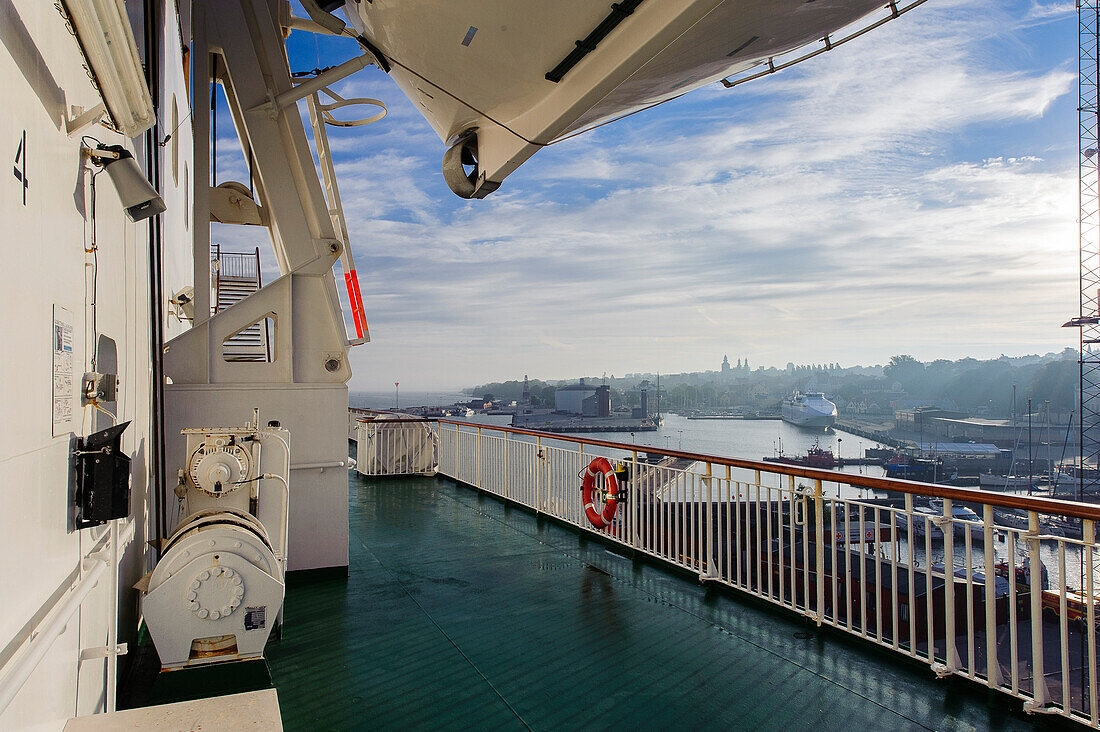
{"points": [[461, 612]]}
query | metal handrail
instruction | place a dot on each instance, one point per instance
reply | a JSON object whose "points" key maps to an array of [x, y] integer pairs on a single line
{"points": [[911, 487], [1058, 506], [392, 447], [829, 43], [94, 566], [215, 268], [239, 265]]}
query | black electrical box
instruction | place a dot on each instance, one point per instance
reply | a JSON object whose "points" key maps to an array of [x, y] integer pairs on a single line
{"points": [[102, 477]]}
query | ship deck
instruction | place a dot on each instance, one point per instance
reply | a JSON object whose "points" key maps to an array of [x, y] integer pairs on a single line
{"points": [[461, 611]]}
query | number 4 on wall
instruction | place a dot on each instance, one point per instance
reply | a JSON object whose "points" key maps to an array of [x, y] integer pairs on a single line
{"points": [[21, 160]]}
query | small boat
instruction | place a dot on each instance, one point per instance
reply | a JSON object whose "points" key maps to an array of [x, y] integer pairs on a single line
{"points": [[1010, 518], [922, 470], [991, 482], [1061, 527], [964, 518], [924, 521], [816, 457]]}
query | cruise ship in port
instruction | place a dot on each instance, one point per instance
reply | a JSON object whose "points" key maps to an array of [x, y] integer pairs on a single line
{"points": [[190, 543], [810, 409]]}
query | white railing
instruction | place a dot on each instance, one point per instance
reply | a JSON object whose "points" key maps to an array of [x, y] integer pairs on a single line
{"points": [[878, 571], [395, 446]]}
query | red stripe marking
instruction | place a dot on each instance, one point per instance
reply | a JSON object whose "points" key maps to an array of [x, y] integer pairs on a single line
{"points": [[352, 283], [359, 302], [351, 301]]}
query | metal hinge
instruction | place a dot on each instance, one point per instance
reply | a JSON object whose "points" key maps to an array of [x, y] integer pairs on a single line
{"points": [[94, 652]]}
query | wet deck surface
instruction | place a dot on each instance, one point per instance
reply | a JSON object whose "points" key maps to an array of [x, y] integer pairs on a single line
{"points": [[460, 612]]}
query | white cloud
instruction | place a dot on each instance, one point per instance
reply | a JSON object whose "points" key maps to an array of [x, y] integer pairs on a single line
{"points": [[903, 192], [1050, 10]]}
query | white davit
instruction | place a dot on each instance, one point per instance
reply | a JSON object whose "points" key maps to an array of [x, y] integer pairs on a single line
{"points": [[498, 79], [811, 409]]}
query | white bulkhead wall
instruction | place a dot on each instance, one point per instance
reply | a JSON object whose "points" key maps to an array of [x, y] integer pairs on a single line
{"points": [[177, 168], [44, 237]]}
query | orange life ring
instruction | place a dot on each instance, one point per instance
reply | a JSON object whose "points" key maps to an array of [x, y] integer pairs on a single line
{"points": [[600, 519]]}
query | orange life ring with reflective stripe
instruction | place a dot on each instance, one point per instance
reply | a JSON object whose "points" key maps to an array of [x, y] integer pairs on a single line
{"points": [[600, 519]]}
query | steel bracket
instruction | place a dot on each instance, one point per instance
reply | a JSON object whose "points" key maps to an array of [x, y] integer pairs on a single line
{"points": [[94, 652], [1035, 707]]}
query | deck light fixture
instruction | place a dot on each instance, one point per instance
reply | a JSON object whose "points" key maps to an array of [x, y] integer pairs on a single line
{"points": [[107, 42], [136, 193]]}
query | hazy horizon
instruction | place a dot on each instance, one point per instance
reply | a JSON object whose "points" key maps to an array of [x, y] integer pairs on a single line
{"points": [[421, 388]]}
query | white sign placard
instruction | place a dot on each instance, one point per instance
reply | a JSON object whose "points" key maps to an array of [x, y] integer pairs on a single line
{"points": [[62, 339]]}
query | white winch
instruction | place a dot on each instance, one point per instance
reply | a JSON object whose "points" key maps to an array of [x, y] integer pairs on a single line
{"points": [[219, 466], [218, 588]]}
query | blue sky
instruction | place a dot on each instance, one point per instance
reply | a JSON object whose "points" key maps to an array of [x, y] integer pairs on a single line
{"points": [[911, 192]]}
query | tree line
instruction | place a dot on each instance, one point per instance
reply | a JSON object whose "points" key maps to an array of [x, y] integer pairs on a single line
{"points": [[973, 385]]}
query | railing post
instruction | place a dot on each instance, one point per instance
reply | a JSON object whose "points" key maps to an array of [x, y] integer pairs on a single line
{"points": [[912, 578], [709, 523], [947, 527], [1089, 535], [635, 488], [444, 454], [819, 551], [507, 484], [992, 665], [1035, 592], [580, 461], [479, 457], [540, 461], [433, 429]]}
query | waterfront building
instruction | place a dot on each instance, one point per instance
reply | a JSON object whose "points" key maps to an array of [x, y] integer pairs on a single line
{"points": [[583, 399]]}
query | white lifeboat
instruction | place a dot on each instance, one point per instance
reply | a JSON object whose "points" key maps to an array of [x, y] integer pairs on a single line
{"points": [[499, 79]]}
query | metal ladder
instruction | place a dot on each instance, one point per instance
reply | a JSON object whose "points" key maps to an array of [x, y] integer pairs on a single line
{"points": [[236, 275]]}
